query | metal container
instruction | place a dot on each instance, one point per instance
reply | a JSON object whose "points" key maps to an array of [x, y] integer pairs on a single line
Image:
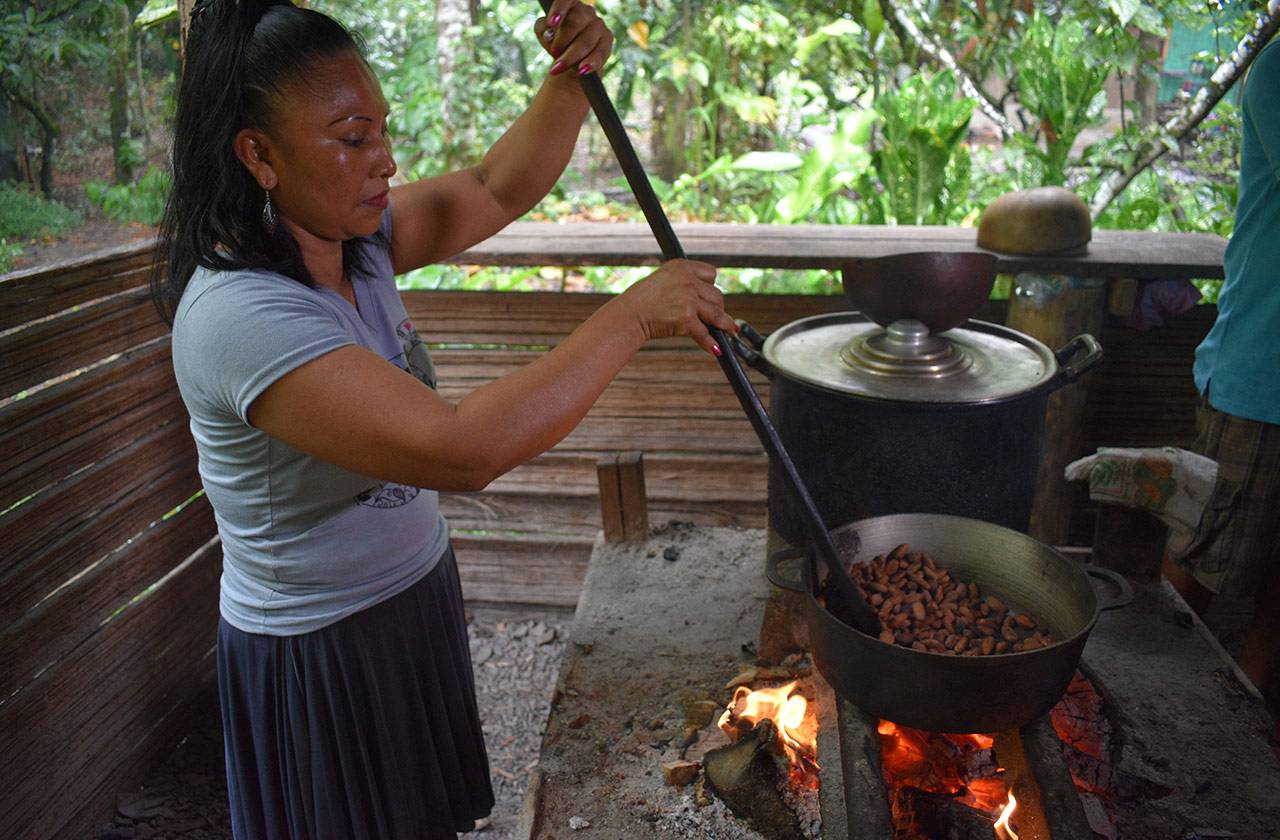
{"points": [[944, 693], [898, 420]]}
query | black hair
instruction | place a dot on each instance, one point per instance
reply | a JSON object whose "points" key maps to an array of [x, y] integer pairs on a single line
{"points": [[240, 55]]}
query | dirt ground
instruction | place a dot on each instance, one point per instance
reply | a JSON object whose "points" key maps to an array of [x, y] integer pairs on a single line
{"points": [[96, 234]]}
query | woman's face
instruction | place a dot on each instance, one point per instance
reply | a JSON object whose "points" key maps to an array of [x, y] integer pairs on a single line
{"points": [[328, 149]]}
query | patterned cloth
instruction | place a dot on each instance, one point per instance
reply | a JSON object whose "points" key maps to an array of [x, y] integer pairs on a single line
{"points": [[1173, 484], [1236, 548]]}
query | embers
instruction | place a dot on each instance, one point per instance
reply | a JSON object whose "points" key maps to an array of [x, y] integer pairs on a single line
{"points": [[945, 785]]}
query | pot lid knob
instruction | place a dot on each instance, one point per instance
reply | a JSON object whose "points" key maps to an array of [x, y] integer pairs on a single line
{"points": [[906, 348]]}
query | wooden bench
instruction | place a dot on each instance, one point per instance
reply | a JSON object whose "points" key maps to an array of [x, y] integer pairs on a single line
{"points": [[109, 564]]}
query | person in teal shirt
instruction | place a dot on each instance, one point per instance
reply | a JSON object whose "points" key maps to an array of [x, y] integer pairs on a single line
{"points": [[1236, 548]]}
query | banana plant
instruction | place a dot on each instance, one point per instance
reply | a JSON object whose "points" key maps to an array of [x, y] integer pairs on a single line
{"points": [[1060, 81], [922, 159]]}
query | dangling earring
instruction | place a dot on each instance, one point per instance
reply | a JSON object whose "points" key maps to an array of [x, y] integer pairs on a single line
{"points": [[269, 215]]}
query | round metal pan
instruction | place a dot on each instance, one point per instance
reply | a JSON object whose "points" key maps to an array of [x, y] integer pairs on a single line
{"points": [[959, 694]]}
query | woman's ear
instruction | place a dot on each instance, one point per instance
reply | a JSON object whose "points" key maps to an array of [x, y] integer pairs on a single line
{"points": [[253, 149]]}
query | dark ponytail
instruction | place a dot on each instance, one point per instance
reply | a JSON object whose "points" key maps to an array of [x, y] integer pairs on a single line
{"points": [[240, 55]]}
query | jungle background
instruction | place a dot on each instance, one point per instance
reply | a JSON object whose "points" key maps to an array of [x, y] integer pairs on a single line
{"points": [[862, 112]]}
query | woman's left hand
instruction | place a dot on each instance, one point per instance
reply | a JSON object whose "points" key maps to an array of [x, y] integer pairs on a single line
{"points": [[575, 36]]}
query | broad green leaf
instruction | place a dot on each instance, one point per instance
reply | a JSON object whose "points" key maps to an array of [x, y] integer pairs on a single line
{"points": [[156, 11], [1124, 10], [768, 162]]}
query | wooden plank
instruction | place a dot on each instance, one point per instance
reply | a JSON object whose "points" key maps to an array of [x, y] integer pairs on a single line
{"points": [[53, 433], [545, 318], [635, 506], [610, 499], [52, 537], [545, 571], [94, 717], [545, 513], [1112, 253], [76, 339], [44, 290], [1143, 394], [63, 621]]}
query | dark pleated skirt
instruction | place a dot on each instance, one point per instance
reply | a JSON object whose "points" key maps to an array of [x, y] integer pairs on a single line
{"points": [[363, 730]]}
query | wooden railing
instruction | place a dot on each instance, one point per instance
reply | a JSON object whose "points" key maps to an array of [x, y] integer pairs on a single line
{"points": [[109, 562]]}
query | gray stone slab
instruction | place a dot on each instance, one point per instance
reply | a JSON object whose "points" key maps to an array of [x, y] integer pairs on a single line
{"points": [[650, 636], [1185, 719]]}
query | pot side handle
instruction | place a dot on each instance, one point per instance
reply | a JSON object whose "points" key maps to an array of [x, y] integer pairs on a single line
{"points": [[1119, 592], [783, 572], [1076, 358], [748, 344]]}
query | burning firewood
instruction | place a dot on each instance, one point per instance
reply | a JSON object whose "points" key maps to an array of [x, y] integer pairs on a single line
{"points": [[947, 818], [745, 775], [922, 607]]}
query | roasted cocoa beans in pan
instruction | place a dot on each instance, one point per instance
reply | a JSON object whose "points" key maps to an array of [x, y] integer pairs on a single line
{"points": [[922, 608]]}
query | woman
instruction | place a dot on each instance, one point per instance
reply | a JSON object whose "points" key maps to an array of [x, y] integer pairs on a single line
{"points": [[347, 697]]}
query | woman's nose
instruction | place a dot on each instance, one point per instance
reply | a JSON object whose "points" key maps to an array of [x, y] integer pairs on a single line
{"points": [[387, 166]]}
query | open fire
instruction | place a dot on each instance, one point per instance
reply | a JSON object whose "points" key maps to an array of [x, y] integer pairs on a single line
{"points": [[789, 711]]}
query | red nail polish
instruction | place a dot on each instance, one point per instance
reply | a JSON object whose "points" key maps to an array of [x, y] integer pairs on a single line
{"points": [[555, 20], [557, 68], [715, 348], [584, 69]]}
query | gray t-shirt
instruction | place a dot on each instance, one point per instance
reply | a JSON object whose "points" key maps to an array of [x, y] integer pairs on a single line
{"points": [[305, 543]]}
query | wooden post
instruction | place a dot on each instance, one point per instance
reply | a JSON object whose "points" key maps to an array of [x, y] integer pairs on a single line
{"points": [[1055, 309], [624, 509], [1130, 541]]}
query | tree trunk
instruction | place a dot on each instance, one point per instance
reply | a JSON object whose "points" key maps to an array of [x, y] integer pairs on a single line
{"points": [[452, 19], [1146, 82], [8, 144], [48, 134], [119, 95], [669, 132], [184, 25]]}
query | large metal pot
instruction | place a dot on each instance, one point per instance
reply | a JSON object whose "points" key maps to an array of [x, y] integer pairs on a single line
{"points": [[944, 693], [897, 420]]}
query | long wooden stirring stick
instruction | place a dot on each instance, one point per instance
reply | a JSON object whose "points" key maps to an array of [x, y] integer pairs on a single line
{"points": [[848, 605]]}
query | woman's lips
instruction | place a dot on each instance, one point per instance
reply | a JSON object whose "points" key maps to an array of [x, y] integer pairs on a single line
{"points": [[379, 200]]}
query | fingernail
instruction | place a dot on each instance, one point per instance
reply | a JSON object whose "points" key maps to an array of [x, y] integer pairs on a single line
{"points": [[715, 348], [555, 20], [557, 52], [557, 68], [584, 69]]}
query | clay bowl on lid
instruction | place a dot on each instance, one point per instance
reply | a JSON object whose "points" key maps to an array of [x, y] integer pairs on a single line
{"points": [[940, 289]]}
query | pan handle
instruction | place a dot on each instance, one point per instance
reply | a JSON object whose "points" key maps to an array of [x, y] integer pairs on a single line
{"points": [[1089, 351], [1118, 591], [747, 344]]}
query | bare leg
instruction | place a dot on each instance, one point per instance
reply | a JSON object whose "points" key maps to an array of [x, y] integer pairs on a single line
{"points": [[1192, 591], [1260, 656]]}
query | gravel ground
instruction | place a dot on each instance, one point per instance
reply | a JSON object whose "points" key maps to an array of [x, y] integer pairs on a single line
{"points": [[516, 654]]}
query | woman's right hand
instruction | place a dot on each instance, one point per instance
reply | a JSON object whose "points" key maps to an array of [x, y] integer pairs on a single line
{"points": [[680, 298]]}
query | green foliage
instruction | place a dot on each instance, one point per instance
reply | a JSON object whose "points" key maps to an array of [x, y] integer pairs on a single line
{"points": [[1060, 81], [142, 201], [9, 252], [25, 215], [923, 162]]}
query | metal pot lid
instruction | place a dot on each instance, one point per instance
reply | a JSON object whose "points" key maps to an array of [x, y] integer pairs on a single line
{"points": [[848, 353]]}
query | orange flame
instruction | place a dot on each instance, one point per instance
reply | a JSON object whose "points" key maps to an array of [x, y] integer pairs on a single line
{"points": [[789, 712], [1003, 830]]}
